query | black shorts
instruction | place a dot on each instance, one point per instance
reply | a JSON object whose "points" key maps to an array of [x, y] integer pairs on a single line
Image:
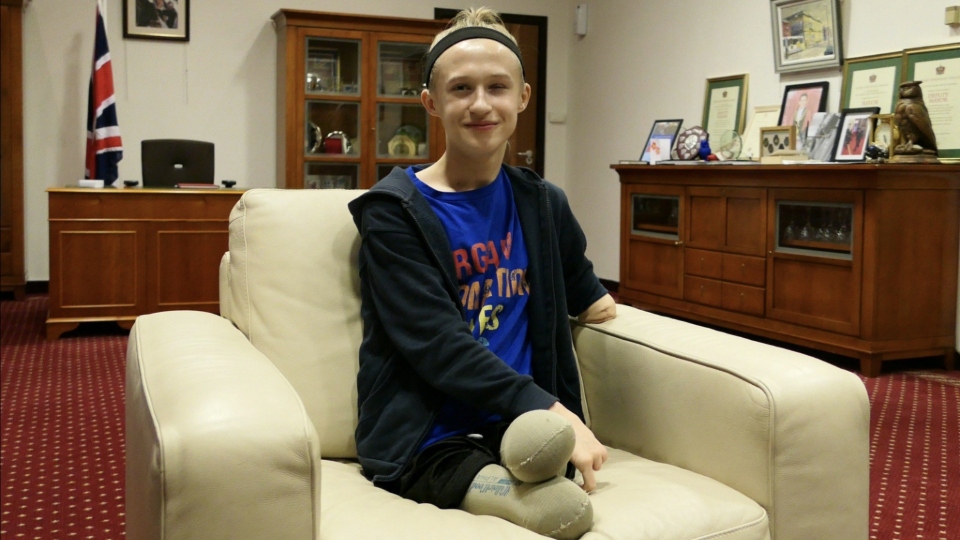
{"points": [[442, 473]]}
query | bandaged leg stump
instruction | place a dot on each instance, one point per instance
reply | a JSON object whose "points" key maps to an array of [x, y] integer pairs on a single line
{"points": [[529, 489]]}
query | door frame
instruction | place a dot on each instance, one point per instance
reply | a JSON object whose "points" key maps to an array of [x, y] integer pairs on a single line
{"points": [[541, 121]]}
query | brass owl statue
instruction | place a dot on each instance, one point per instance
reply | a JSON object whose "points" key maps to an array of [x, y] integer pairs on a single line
{"points": [[918, 143]]}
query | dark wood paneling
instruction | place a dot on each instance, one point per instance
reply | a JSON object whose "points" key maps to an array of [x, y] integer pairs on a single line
{"points": [[814, 294], [98, 269], [656, 267], [187, 267], [744, 269], [116, 254], [704, 213], [702, 291], [699, 262], [12, 270], [916, 264], [745, 214], [742, 298]]}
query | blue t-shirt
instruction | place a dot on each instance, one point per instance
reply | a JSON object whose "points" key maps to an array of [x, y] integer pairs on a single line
{"points": [[491, 262]]}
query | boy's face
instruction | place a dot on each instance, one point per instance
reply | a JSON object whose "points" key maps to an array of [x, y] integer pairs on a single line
{"points": [[477, 92]]}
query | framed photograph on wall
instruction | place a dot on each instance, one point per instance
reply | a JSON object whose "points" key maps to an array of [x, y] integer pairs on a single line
{"points": [[939, 69], [871, 81], [660, 141], [725, 105], [854, 134], [157, 19], [800, 102], [806, 34]]}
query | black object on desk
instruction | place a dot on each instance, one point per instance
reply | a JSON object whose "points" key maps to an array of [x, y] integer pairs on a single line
{"points": [[168, 162]]}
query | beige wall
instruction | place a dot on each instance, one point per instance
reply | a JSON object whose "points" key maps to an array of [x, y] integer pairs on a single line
{"points": [[640, 61], [644, 60], [220, 87]]}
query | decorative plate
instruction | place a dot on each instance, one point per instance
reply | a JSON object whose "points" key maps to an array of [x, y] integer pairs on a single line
{"points": [[415, 134], [402, 146], [688, 142]]}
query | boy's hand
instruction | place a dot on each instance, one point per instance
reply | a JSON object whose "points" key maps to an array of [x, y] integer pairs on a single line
{"points": [[588, 454]]}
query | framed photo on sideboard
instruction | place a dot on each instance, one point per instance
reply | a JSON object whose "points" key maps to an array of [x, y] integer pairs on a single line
{"points": [[854, 134], [800, 103], [660, 141]]}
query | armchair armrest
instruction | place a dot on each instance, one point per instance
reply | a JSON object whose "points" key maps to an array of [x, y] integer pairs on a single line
{"points": [[785, 429], [218, 443], [224, 274]]}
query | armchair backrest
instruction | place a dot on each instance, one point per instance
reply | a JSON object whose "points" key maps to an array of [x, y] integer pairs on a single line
{"points": [[294, 291]]}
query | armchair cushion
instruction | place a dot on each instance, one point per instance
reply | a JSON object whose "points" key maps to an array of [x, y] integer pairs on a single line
{"points": [[635, 499]]}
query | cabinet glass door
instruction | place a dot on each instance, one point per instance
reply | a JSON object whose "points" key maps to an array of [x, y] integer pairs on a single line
{"points": [[330, 176], [402, 131], [815, 228], [656, 215], [333, 67], [332, 128], [400, 69]]}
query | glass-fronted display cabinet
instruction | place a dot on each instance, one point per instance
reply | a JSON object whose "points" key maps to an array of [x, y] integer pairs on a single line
{"points": [[656, 215], [822, 229], [349, 98]]}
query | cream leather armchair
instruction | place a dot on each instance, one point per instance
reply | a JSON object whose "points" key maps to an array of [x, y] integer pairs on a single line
{"points": [[241, 426]]}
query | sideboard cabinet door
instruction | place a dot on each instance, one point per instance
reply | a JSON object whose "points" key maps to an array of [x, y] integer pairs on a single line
{"points": [[815, 257], [651, 239]]}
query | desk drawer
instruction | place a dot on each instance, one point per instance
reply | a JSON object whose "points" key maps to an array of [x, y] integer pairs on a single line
{"points": [[698, 262], [742, 298], [744, 269], [702, 291]]}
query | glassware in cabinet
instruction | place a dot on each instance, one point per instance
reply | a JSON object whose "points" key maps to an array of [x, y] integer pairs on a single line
{"points": [[815, 228]]}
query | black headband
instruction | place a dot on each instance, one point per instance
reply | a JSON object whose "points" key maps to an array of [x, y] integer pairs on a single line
{"points": [[463, 34]]}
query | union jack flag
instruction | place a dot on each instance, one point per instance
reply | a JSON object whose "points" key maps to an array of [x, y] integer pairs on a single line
{"points": [[104, 147]]}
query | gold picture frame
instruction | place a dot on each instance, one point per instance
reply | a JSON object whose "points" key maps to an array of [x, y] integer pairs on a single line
{"points": [[721, 110], [875, 67], [777, 138]]}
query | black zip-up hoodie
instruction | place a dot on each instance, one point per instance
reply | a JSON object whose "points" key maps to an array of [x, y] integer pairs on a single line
{"points": [[417, 346]]}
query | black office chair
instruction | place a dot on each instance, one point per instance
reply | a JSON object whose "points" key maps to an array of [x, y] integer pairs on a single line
{"points": [[168, 162]]}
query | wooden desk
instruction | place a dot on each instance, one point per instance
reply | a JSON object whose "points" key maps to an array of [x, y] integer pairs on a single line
{"points": [[756, 249], [119, 253]]}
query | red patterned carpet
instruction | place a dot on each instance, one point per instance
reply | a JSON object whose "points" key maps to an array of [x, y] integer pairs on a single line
{"points": [[62, 456]]}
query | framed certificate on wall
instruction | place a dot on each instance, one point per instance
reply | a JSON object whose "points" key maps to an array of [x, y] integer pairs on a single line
{"points": [[871, 81], [939, 70], [724, 105]]}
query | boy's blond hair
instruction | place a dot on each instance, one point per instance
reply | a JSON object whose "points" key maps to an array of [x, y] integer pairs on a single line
{"points": [[480, 16]]}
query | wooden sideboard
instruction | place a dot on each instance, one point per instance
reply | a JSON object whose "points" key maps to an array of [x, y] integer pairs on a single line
{"points": [[858, 260], [119, 253]]}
